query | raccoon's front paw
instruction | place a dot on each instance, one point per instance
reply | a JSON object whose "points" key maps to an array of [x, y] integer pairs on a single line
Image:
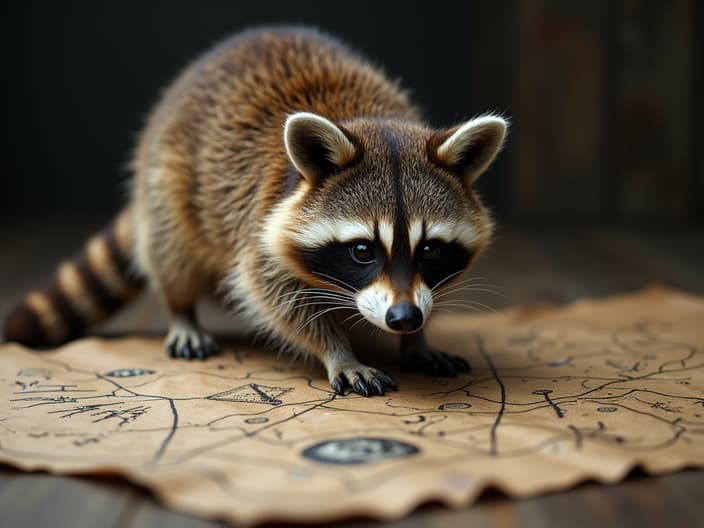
{"points": [[435, 362], [189, 342], [363, 380]]}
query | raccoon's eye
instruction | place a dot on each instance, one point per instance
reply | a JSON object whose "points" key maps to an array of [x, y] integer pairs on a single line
{"points": [[429, 253], [362, 252]]}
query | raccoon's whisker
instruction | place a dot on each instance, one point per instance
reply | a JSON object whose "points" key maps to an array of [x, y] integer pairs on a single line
{"points": [[314, 302], [455, 309], [467, 288], [306, 291], [316, 315], [474, 281], [467, 283], [351, 316], [445, 304], [481, 305], [443, 281], [463, 281], [465, 304], [450, 291], [337, 282], [362, 319], [468, 301], [314, 298], [326, 303], [320, 313], [376, 330], [450, 310]]}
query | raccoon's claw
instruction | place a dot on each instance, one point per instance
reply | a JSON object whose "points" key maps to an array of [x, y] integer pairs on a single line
{"points": [[337, 385], [361, 388], [377, 386], [436, 363], [189, 343], [385, 381], [364, 380]]}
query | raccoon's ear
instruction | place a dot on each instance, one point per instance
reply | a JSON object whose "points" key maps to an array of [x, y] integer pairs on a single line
{"points": [[316, 146], [469, 149]]}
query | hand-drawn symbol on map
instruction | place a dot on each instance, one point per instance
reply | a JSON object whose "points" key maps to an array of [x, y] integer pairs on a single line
{"points": [[35, 373], [253, 393], [86, 441], [257, 420], [121, 416], [453, 406], [607, 409], [128, 372], [24, 386], [559, 362], [663, 406], [359, 450], [545, 393]]}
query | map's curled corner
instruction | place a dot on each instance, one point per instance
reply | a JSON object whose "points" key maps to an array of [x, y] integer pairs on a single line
{"points": [[557, 396]]}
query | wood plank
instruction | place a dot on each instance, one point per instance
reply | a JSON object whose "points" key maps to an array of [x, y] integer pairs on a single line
{"points": [[675, 258], [39, 499], [557, 105], [696, 174], [148, 514], [651, 132]]}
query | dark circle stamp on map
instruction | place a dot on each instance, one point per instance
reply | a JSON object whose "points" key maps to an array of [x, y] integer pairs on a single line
{"points": [[359, 450], [257, 420], [128, 372], [455, 406]]}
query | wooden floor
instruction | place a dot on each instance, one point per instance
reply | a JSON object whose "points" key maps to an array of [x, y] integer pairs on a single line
{"points": [[529, 266]]}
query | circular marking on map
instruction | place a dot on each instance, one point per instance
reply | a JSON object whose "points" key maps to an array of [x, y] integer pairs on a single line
{"points": [[360, 450], [607, 409], [257, 420], [559, 362], [128, 372], [454, 406]]}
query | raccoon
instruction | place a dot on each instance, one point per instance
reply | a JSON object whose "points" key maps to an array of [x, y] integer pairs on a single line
{"points": [[290, 175]]}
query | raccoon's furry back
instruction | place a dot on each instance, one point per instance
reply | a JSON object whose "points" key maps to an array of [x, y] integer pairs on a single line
{"points": [[217, 132]]}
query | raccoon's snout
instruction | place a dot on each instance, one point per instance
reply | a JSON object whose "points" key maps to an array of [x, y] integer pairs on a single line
{"points": [[404, 317]]}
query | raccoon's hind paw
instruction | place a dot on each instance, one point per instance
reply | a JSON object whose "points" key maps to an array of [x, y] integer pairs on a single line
{"points": [[361, 379], [435, 363], [186, 340]]}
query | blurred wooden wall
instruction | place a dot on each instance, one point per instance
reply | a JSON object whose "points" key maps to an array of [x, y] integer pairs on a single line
{"points": [[605, 99]]}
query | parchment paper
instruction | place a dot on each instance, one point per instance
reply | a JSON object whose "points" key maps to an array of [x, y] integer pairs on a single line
{"points": [[557, 396]]}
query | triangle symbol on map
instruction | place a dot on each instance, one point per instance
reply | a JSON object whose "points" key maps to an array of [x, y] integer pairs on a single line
{"points": [[253, 393]]}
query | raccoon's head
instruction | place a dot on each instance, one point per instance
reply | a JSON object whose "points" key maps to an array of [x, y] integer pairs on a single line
{"points": [[383, 210]]}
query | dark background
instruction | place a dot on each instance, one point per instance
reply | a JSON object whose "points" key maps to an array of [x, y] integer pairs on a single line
{"points": [[602, 94]]}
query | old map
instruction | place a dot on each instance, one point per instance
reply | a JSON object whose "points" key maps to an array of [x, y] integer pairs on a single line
{"points": [[556, 396]]}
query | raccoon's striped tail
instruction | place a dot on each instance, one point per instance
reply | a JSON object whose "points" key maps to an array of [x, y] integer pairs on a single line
{"points": [[84, 291]]}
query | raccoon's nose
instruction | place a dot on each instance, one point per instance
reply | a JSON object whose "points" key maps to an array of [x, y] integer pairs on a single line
{"points": [[404, 317]]}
